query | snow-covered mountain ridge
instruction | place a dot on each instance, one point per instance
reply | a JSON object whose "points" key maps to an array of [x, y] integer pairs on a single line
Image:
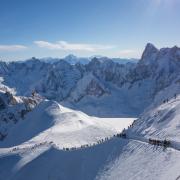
{"points": [[61, 81], [72, 59], [111, 159], [57, 140]]}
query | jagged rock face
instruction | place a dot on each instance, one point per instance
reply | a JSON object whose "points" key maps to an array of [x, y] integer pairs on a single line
{"points": [[3, 68], [13, 109], [110, 71], [156, 61], [89, 85], [162, 67], [94, 89], [23, 76], [59, 80], [2, 104], [149, 55]]}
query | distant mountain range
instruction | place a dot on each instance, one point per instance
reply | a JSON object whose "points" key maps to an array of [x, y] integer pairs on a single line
{"points": [[49, 104], [72, 59]]}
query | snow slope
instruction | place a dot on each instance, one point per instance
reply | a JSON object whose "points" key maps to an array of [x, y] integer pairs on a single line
{"points": [[50, 121], [161, 122], [14, 109], [140, 82], [42, 157], [114, 102], [54, 164], [56, 142], [140, 160], [44, 133]]}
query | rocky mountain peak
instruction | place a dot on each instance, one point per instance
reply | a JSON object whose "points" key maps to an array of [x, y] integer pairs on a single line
{"points": [[149, 53]]}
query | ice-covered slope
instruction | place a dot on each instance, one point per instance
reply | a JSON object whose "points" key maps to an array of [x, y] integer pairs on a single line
{"points": [[133, 158], [65, 127], [44, 133], [161, 122], [140, 160]]}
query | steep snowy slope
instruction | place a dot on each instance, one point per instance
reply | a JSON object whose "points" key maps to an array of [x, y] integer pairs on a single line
{"points": [[41, 157], [116, 102], [13, 109], [139, 159], [23, 76], [61, 81], [161, 122], [53, 164], [88, 85], [131, 88], [56, 142], [65, 127], [46, 131], [54, 81]]}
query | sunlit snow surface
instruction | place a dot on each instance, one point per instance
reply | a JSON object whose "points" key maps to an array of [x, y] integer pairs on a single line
{"points": [[35, 157], [51, 125]]}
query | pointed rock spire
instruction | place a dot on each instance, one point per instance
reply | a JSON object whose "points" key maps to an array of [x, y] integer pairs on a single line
{"points": [[149, 49]]}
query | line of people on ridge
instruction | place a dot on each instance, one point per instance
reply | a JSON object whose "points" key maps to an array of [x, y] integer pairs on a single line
{"points": [[86, 145], [165, 143], [31, 147], [119, 135], [167, 100]]}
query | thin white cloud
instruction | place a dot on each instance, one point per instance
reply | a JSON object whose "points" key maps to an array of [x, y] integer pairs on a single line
{"points": [[129, 53], [63, 45], [12, 47]]}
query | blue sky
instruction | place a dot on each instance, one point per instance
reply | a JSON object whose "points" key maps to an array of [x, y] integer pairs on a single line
{"points": [[115, 28]]}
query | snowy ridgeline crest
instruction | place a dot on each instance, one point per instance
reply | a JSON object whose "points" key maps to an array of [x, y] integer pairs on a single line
{"points": [[99, 81], [63, 139], [45, 139], [100, 87]]}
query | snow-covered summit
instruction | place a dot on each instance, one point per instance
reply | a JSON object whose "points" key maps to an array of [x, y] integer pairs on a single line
{"points": [[72, 59], [44, 139], [156, 70], [50, 121]]}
